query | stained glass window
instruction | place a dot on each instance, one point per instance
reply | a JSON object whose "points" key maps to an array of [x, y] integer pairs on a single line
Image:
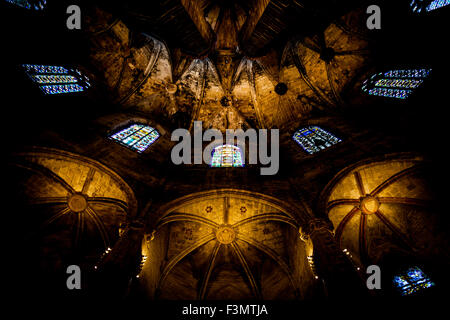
{"points": [[227, 156], [424, 5], [137, 137], [28, 4], [57, 79], [412, 281], [398, 84], [313, 139]]}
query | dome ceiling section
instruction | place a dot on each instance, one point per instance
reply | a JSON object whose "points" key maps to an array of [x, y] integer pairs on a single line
{"points": [[313, 71], [349, 39], [201, 38], [135, 67], [220, 212], [329, 61], [245, 95], [78, 203], [266, 20], [382, 206], [308, 94], [212, 15], [226, 30], [221, 240], [226, 20], [180, 22], [201, 90], [153, 90], [110, 49], [354, 24], [211, 110], [220, 284], [226, 91], [282, 104], [271, 64], [299, 93], [226, 62], [215, 13], [180, 64], [190, 88]]}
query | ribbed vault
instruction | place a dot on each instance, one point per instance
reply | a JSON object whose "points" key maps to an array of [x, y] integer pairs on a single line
{"points": [[384, 207], [226, 89], [69, 206], [222, 247]]}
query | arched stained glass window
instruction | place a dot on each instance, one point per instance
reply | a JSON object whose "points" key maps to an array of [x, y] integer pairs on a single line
{"points": [[313, 139], [227, 156], [136, 137], [57, 79], [427, 5], [398, 84], [29, 4], [412, 281]]}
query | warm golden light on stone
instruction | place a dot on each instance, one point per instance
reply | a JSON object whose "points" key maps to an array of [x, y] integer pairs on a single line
{"points": [[369, 204], [77, 203], [225, 235], [172, 88]]}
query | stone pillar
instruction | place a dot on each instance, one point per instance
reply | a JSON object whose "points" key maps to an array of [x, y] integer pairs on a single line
{"points": [[121, 264], [332, 265]]}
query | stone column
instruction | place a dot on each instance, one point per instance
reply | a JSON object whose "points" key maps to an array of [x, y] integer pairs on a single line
{"points": [[331, 264]]}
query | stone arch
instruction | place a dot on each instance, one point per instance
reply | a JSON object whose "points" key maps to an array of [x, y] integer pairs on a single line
{"points": [[381, 206], [70, 208], [211, 235]]}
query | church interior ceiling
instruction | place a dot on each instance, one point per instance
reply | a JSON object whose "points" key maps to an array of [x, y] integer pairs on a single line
{"points": [[88, 119]]}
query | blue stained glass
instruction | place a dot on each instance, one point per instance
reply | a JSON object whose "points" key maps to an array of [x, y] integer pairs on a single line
{"points": [[412, 281], [54, 79], [398, 83], [57, 79], [401, 281], [421, 5], [226, 156], [137, 137], [36, 68], [126, 132], [436, 4], [62, 88], [408, 73], [314, 139], [143, 144], [391, 93], [38, 5], [395, 83]]}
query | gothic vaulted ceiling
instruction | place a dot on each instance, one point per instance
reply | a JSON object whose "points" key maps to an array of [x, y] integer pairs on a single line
{"points": [[383, 208], [230, 64], [226, 245], [225, 87], [68, 205]]}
